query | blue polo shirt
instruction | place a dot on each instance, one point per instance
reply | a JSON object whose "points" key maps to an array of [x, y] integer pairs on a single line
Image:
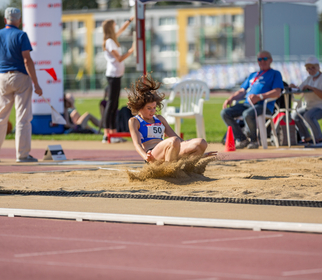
{"points": [[13, 42], [266, 81]]}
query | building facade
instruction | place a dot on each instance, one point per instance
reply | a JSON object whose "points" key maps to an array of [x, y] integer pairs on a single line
{"points": [[177, 38], [183, 39], [289, 30]]}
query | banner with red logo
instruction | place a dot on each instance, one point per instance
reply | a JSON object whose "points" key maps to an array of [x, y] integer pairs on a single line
{"points": [[42, 22]]}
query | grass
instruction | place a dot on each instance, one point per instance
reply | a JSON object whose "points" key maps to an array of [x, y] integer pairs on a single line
{"points": [[215, 127]]}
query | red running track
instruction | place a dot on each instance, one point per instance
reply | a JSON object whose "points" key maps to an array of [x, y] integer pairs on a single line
{"points": [[56, 249], [118, 155]]}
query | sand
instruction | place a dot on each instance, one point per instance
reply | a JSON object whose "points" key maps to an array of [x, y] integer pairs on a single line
{"points": [[286, 178]]}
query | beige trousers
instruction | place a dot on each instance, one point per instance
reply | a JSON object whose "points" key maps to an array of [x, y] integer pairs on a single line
{"points": [[16, 88]]}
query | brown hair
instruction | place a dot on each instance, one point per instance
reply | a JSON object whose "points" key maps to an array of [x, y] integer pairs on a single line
{"points": [[142, 92], [108, 32]]}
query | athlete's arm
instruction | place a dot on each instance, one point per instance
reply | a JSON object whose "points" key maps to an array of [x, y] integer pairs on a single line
{"points": [[134, 126], [168, 130]]}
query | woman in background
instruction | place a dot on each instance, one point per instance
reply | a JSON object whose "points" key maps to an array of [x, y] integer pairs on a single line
{"points": [[114, 72], [74, 119]]}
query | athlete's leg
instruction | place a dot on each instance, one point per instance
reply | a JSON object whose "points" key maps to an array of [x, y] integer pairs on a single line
{"points": [[193, 147], [167, 150], [83, 120]]}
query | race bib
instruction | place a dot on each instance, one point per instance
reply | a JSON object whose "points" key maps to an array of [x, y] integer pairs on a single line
{"points": [[155, 131]]}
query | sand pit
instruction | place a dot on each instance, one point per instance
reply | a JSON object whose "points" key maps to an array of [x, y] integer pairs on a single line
{"points": [[290, 178]]}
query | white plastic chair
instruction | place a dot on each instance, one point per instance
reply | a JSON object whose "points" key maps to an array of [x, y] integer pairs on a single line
{"points": [[169, 109], [191, 105], [298, 103], [263, 122]]}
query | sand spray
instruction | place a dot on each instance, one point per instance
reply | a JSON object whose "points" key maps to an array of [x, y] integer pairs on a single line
{"points": [[182, 168]]}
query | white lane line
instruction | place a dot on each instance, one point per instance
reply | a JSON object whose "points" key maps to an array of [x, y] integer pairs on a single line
{"points": [[149, 219], [212, 278], [115, 169], [69, 251], [302, 272], [231, 239], [147, 269], [188, 247]]}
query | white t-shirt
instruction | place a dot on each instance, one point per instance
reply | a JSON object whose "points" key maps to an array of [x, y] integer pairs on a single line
{"points": [[312, 100], [113, 68]]}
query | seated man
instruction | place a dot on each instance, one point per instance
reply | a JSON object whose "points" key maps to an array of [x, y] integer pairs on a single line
{"points": [[267, 83], [312, 112]]}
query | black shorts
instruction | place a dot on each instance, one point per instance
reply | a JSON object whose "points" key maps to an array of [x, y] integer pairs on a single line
{"points": [[150, 149], [147, 151]]}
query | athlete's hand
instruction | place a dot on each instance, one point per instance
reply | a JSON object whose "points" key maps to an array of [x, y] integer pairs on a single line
{"points": [[149, 157]]}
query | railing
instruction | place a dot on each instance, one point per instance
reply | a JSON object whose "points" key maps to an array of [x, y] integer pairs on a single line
{"points": [[99, 81]]}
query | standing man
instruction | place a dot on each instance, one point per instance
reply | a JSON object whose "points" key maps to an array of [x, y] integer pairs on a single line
{"points": [[267, 83], [17, 72]]}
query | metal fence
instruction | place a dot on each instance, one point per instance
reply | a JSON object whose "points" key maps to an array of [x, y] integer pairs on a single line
{"points": [[99, 81]]}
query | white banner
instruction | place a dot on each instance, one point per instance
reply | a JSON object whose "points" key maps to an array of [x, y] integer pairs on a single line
{"points": [[42, 22]]}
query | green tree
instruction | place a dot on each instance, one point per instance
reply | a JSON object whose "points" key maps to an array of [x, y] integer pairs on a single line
{"points": [[1, 19], [114, 4], [12, 3], [79, 4]]}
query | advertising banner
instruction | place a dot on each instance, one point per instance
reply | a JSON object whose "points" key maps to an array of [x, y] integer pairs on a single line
{"points": [[42, 22]]}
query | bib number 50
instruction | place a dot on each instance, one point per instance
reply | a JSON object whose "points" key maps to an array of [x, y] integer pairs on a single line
{"points": [[157, 130]]}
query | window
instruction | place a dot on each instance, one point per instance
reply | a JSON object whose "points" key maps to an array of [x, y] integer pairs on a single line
{"points": [[211, 20], [81, 50], [168, 47], [98, 23], [98, 49], [167, 21], [192, 47], [238, 23], [191, 21], [238, 19], [81, 24]]}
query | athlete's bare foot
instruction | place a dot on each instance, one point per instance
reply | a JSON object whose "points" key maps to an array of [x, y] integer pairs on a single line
{"points": [[210, 154]]}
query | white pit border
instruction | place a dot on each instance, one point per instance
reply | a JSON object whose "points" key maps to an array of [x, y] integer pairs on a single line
{"points": [[164, 220]]}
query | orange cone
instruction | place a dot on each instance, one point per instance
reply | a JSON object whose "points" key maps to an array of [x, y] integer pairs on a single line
{"points": [[230, 141]]}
